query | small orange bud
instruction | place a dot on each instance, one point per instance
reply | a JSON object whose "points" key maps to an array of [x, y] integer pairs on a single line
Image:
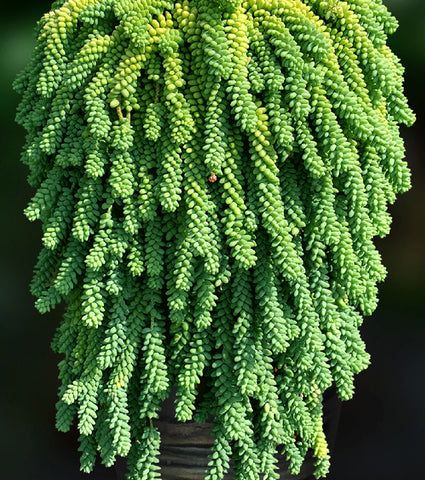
{"points": [[212, 178]]}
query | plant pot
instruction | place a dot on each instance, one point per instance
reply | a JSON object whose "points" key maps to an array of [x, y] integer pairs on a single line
{"points": [[185, 446]]}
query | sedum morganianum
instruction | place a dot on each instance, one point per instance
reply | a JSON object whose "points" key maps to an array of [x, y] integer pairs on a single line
{"points": [[210, 177]]}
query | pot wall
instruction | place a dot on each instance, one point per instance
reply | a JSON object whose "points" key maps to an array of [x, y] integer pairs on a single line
{"points": [[185, 446]]}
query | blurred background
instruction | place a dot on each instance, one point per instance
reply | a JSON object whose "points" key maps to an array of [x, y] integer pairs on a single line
{"points": [[382, 430]]}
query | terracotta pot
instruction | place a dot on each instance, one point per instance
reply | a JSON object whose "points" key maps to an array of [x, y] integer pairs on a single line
{"points": [[185, 446]]}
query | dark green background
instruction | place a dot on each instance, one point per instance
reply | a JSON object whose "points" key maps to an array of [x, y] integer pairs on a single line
{"points": [[382, 430]]}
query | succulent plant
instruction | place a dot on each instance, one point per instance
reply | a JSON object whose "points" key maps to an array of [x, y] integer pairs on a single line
{"points": [[210, 178]]}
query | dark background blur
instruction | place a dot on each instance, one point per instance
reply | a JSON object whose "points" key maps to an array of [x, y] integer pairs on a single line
{"points": [[382, 430]]}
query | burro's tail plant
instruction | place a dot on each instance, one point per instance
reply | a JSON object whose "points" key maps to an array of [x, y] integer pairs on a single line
{"points": [[210, 177]]}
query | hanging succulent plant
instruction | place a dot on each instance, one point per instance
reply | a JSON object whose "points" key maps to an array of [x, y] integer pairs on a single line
{"points": [[210, 177]]}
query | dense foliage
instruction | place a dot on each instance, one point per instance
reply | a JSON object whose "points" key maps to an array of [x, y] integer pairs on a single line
{"points": [[210, 177]]}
